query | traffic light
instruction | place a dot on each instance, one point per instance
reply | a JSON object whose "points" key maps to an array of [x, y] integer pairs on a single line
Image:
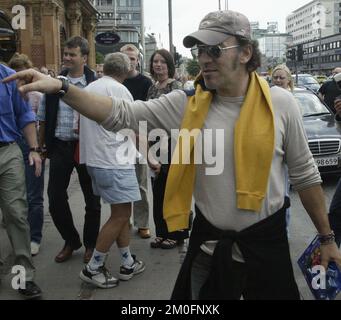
{"points": [[300, 52], [291, 54], [177, 58]]}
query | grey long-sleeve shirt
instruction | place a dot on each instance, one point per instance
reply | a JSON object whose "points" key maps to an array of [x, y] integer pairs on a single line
{"points": [[215, 195]]}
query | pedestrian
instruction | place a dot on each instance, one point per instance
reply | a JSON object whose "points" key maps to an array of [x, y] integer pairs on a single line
{"points": [[335, 205], [238, 244], [330, 90], [59, 131], [113, 178], [138, 85], [34, 184], [281, 77], [162, 69], [99, 70], [16, 118]]}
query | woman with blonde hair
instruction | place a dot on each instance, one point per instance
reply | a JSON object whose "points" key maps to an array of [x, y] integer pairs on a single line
{"points": [[281, 77]]}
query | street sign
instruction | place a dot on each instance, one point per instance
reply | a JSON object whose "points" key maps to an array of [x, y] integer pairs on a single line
{"points": [[107, 38]]}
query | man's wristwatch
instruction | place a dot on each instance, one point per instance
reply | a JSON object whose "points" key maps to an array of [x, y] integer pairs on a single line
{"points": [[65, 86]]}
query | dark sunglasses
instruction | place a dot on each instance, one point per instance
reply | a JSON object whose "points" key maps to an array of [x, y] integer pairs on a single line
{"points": [[213, 51]]}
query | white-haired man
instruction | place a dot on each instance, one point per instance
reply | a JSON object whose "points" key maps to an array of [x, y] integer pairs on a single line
{"points": [[110, 162]]}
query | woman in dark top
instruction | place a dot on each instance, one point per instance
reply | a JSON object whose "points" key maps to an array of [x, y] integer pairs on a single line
{"points": [[162, 69]]}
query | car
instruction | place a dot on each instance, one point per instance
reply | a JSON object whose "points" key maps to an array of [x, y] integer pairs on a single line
{"points": [[323, 131], [307, 81], [321, 79]]}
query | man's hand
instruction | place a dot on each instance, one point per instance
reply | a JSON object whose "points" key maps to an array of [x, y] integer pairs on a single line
{"points": [[35, 159], [32, 80], [329, 253]]}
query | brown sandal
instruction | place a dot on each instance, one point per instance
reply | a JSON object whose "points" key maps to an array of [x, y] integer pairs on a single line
{"points": [[168, 244], [156, 243]]}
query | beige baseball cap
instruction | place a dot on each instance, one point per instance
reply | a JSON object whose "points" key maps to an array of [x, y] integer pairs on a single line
{"points": [[217, 26]]}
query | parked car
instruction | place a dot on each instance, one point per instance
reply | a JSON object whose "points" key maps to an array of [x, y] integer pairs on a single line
{"points": [[308, 81], [323, 132], [321, 79]]}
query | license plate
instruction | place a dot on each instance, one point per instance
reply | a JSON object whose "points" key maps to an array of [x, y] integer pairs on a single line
{"points": [[327, 161]]}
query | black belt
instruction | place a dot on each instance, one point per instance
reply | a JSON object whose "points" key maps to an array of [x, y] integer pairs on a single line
{"points": [[5, 144]]}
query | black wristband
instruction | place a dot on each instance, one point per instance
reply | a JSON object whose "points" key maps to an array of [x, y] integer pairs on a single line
{"points": [[327, 238], [35, 149]]}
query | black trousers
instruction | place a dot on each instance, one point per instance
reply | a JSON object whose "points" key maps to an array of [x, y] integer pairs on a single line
{"points": [[62, 164], [159, 187]]}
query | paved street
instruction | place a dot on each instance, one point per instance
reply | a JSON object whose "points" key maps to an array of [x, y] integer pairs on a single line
{"points": [[61, 282]]}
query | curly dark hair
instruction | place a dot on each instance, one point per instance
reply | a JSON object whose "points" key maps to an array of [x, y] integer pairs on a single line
{"points": [[169, 61], [255, 61]]}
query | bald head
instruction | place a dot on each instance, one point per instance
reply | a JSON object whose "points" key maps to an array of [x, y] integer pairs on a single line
{"points": [[336, 71]]}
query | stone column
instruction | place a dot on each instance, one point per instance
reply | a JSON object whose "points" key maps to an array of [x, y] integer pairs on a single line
{"points": [[74, 15], [89, 28], [50, 34]]}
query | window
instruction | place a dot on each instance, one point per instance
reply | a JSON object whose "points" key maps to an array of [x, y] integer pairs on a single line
{"points": [[135, 3], [137, 16]]}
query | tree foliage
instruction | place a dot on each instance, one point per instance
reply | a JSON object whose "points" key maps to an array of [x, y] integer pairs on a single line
{"points": [[193, 68], [99, 58]]}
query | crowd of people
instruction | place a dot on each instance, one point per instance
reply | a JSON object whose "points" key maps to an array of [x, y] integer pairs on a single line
{"points": [[238, 243]]}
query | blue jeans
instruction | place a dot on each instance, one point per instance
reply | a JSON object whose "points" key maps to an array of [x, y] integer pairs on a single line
{"points": [[335, 213], [35, 195]]}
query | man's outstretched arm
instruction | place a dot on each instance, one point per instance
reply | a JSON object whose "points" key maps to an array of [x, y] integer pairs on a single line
{"points": [[94, 107]]}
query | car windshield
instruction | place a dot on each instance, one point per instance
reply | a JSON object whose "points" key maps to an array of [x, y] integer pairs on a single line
{"points": [[310, 104], [306, 80]]}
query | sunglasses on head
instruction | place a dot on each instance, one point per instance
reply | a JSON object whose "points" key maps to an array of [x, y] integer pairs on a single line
{"points": [[212, 51]]}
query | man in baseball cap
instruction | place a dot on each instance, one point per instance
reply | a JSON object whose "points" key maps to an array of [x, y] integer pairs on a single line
{"points": [[217, 26], [238, 245], [16, 119]]}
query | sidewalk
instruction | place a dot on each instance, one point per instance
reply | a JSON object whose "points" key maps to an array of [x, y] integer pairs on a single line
{"points": [[61, 281]]}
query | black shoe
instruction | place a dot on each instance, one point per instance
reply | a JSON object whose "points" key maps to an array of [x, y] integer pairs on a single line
{"points": [[32, 291]]}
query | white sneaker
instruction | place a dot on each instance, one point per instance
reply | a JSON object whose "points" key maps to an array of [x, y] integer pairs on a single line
{"points": [[126, 273], [100, 277], [34, 248]]}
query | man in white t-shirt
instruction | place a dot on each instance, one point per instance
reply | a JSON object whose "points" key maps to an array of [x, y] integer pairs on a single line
{"points": [[110, 159]]}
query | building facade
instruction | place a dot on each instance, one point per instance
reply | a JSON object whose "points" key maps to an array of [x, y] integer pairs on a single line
{"points": [[317, 19], [316, 37], [319, 56], [49, 23], [124, 17], [273, 45]]}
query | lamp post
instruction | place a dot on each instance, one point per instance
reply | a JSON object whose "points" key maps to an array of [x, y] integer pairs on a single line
{"points": [[170, 18], [320, 51], [219, 5]]}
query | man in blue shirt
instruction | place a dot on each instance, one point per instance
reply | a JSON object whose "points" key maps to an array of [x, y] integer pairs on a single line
{"points": [[16, 117]]}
